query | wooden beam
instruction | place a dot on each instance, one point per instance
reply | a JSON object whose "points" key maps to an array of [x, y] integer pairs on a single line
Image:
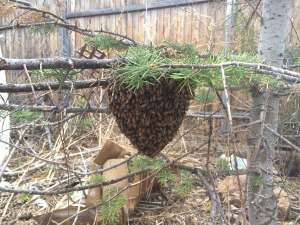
{"points": [[135, 8]]}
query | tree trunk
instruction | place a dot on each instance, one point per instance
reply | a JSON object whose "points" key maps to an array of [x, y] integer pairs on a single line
{"points": [[262, 207]]}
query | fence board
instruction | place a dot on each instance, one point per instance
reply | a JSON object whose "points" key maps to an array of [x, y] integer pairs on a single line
{"points": [[201, 23], [135, 7]]}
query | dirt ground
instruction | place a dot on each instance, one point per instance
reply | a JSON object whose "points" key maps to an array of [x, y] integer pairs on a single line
{"points": [[161, 207]]}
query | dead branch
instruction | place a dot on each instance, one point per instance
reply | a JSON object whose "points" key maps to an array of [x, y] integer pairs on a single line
{"points": [[277, 72], [227, 101], [79, 110], [56, 63], [214, 197], [76, 63], [51, 85], [68, 190], [283, 138], [43, 12], [105, 183], [77, 84], [26, 3], [72, 27], [48, 108]]}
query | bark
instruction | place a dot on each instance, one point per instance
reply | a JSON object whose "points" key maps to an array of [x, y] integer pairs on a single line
{"points": [[262, 208]]}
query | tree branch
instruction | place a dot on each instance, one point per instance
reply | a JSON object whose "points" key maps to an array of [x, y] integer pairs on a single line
{"points": [[44, 12], [47, 86], [76, 63], [74, 28], [56, 63], [48, 108]]}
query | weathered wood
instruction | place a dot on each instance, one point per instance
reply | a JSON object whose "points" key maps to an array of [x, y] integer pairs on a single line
{"points": [[79, 84], [135, 8], [51, 63]]}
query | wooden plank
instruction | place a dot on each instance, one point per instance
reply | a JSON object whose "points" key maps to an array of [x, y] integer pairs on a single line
{"points": [[188, 18], [135, 8], [196, 25], [135, 25], [141, 28], [180, 25], [152, 29], [173, 24], [167, 24], [159, 27]]}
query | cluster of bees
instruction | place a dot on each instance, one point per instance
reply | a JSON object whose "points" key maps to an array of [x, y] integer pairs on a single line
{"points": [[150, 116]]}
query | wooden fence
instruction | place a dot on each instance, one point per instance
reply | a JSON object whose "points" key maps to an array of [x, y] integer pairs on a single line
{"points": [[149, 21]]}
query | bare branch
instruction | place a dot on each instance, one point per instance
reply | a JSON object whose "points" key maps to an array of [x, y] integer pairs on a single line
{"points": [[283, 138], [72, 27], [48, 108], [44, 12], [56, 63], [48, 86], [105, 183], [75, 63]]}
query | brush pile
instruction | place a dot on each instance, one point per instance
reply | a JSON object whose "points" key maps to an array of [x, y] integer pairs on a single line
{"points": [[151, 115]]}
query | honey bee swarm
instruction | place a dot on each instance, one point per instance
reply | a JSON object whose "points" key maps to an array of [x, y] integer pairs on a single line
{"points": [[150, 116]]}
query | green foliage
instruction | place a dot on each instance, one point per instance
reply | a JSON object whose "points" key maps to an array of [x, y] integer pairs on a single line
{"points": [[95, 179], [103, 41], [222, 165], [256, 183], [59, 74], [292, 55], [204, 96], [110, 207], [166, 177], [80, 102], [144, 162], [86, 122], [25, 114], [185, 49], [246, 33], [141, 67], [42, 29], [186, 184], [24, 197], [189, 77]]}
